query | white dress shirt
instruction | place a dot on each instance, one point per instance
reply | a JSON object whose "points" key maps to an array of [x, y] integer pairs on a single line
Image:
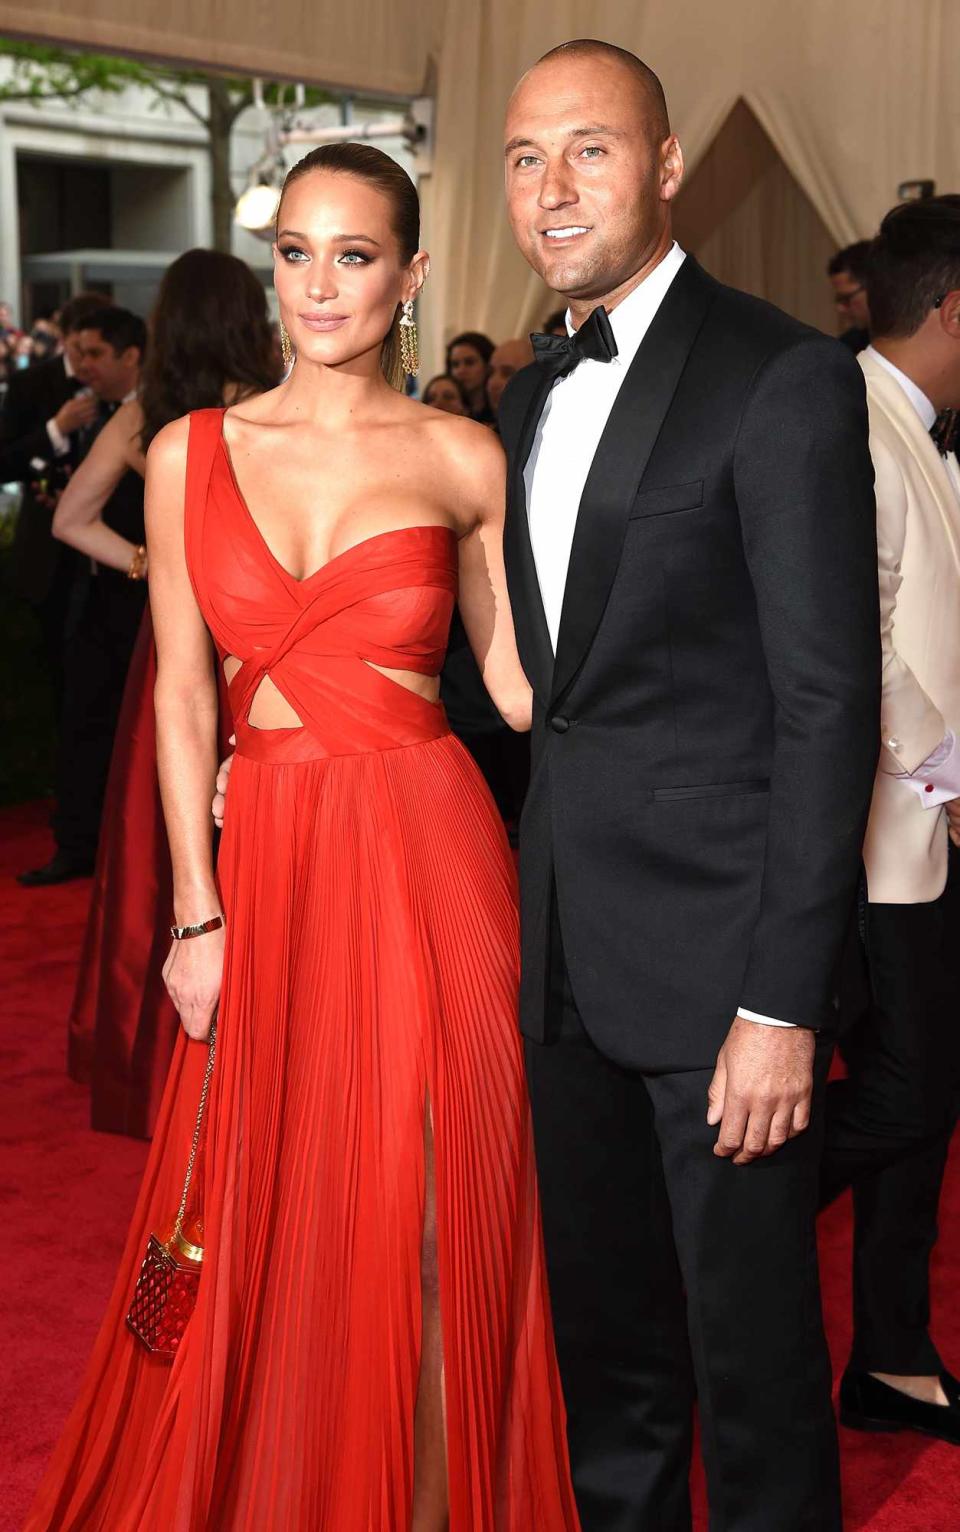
{"points": [[576, 411], [937, 779], [571, 425], [59, 442]]}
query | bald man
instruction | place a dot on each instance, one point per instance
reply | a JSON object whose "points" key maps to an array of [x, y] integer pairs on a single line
{"points": [[507, 359], [691, 555]]}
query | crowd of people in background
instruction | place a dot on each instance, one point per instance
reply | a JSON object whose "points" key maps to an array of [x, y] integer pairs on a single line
{"points": [[21, 348]]}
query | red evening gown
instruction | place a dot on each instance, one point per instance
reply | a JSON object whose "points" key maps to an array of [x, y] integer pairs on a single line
{"points": [[370, 979], [122, 1025]]}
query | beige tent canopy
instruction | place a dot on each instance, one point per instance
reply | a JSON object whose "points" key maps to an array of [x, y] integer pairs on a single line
{"points": [[798, 119]]}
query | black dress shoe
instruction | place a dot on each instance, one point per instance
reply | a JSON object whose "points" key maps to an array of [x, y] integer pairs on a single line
{"points": [[60, 869], [866, 1404]]}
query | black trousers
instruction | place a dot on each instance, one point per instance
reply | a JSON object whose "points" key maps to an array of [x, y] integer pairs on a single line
{"points": [[675, 1274], [890, 1122], [96, 661]]}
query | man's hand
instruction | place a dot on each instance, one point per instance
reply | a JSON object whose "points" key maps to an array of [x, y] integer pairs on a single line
{"points": [[77, 412], [953, 819], [223, 782], [761, 1089]]}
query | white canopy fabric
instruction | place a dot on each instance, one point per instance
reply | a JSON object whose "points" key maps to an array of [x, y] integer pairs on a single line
{"points": [[854, 99]]}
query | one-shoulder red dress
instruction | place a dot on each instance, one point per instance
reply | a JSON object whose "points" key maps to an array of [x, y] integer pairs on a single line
{"points": [[370, 979]]}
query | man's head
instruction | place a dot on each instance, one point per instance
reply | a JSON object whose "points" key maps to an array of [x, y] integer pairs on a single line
{"points": [[913, 285], [111, 344], [847, 271], [591, 169], [75, 312], [507, 359]]}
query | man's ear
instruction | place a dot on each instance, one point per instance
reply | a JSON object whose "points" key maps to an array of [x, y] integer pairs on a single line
{"points": [[949, 312]]}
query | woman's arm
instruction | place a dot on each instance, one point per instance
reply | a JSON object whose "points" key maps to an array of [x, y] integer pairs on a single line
{"points": [[186, 708], [483, 599], [79, 515]]}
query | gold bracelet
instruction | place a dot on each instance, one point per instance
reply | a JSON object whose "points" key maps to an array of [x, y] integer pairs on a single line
{"points": [[138, 565], [183, 933]]}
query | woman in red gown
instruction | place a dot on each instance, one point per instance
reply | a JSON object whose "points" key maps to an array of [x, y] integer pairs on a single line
{"points": [[210, 343], [371, 1348]]}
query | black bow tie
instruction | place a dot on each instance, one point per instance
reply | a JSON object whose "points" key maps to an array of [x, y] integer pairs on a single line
{"points": [[558, 355], [945, 431]]}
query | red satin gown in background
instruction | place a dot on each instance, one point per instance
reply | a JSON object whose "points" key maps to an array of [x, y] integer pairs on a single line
{"points": [[370, 980], [123, 1026]]}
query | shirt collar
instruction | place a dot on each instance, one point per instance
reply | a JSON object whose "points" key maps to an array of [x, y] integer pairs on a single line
{"points": [[917, 397], [632, 318], [67, 365]]}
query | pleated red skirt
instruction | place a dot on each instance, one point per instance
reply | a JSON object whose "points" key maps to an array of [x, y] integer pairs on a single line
{"points": [[370, 979]]}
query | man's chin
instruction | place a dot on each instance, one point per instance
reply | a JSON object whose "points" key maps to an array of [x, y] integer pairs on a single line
{"points": [[572, 279]]}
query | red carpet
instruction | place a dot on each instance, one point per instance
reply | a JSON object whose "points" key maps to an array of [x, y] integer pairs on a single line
{"points": [[67, 1193]]}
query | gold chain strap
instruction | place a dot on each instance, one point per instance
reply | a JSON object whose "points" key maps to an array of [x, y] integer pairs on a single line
{"points": [[178, 1226]]}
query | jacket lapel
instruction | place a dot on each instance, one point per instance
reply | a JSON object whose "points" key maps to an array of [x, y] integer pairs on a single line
{"points": [[530, 623], [620, 462], [889, 396]]}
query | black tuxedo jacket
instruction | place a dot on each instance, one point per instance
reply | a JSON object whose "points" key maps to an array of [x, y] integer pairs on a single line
{"points": [[705, 741], [33, 397]]}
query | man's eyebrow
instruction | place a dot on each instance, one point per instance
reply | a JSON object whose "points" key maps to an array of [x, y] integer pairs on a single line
{"points": [[596, 129], [592, 130], [519, 143]]}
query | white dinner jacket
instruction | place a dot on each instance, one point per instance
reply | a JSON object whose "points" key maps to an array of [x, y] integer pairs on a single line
{"points": [[918, 537]]}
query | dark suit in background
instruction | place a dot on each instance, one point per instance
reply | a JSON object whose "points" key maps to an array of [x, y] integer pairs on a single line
{"points": [[703, 751], [43, 569], [108, 611]]}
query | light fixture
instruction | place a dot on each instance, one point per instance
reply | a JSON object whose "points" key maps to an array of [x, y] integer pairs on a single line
{"points": [[256, 208], [915, 191]]}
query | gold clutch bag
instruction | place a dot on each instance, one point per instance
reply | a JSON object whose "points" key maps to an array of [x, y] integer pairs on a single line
{"points": [[166, 1290]]}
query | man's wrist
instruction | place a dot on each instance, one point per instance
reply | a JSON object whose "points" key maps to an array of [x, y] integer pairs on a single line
{"points": [[764, 1021], [58, 441]]}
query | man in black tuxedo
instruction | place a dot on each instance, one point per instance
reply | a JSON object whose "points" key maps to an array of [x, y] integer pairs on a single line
{"points": [[109, 609], [44, 415], [691, 556]]}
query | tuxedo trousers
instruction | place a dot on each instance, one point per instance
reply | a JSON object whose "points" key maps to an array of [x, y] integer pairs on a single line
{"points": [[677, 1276], [889, 1123]]}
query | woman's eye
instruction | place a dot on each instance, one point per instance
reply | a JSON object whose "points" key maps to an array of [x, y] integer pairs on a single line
{"points": [[353, 257], [290, 252]]}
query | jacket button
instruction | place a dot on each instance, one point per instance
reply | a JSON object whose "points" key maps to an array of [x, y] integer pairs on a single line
{"points": [[559, 725]]}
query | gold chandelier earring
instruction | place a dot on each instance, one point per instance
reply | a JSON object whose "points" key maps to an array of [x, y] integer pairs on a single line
{"points": [[409, 341], [286, 348]]}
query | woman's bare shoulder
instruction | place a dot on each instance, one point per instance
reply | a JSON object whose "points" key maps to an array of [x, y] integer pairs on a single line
{"points": [[169, 446], [470, 444], [127, 423]]}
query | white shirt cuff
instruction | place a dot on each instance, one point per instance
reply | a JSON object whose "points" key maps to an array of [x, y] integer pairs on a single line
{"points": [[765, 1021], [937, 779], [58, 441]]}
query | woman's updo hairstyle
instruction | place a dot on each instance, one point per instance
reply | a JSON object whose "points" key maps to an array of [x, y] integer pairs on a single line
{"points": [[372, 165]]}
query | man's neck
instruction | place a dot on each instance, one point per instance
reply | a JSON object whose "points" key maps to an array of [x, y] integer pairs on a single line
{"points": [[912, 356], [582, 308]]}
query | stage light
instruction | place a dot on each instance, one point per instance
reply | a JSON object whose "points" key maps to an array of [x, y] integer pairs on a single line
{"points": [[256, 208]]}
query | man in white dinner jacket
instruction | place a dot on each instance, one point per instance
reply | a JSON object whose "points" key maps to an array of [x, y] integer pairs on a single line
{"points": [[889, 1124]]}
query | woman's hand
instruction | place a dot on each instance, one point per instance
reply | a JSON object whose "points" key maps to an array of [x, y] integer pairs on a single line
{"points": [[192, 974]]}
